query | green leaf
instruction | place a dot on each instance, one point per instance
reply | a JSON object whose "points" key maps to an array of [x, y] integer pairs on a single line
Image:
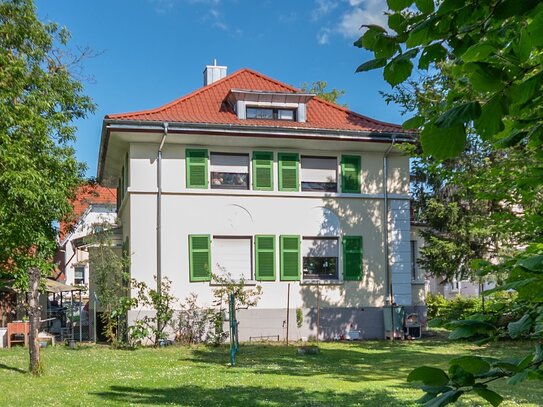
{"points": [[478, 52], [413, 123], [396, 22], [398, 5], [397, 71], [432, 53], [430, 376], [436, 322], [534, 263], [420, 34], [510, 8], [524, 46], [450, 5], [492, 397], [459, 115], [484, 77], [535, 29], [490, 122], [521, 327], [426, 6], [518, 377], [373, 64], [471, 364], [369, 40], [446, 398], [461, 376], [443, 143]]}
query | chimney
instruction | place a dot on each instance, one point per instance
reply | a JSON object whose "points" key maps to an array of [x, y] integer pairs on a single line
{"points": [[213, 73]]}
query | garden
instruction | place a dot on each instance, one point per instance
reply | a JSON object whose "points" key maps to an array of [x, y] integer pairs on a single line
{"points": [[366, 373]]}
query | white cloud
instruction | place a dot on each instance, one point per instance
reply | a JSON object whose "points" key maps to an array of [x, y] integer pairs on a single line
{"points": [[323, 37], [369, 12], [355, 14], [324, 7]]}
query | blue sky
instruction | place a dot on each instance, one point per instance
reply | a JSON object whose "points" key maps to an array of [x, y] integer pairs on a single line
{"points": [[154, 51]]}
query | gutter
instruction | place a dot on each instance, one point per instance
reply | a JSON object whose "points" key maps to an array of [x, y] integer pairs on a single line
{"points": [[159, 212]]}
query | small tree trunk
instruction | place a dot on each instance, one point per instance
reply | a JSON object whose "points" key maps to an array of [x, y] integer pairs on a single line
{"points": [[34, 311]]}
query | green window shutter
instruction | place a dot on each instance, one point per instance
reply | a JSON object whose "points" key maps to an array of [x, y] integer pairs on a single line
{"points": [[263, 170], [288, 171], [350, 174], [265, 257], [200, 257], [196, 162], [352, 258], [290, 258]]}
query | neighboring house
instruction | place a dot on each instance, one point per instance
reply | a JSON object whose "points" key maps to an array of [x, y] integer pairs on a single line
{"points": [[93, 205], [436, 285], [253, 177]]}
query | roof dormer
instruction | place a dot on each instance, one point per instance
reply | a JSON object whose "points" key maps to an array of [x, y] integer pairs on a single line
{"points": [[265, 105]]}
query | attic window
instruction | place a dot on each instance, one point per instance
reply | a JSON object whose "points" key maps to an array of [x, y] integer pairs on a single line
{"points": [[270, 113]]}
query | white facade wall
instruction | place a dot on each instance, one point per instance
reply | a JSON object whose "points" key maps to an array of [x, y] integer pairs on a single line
{"points": [[248, 213]]}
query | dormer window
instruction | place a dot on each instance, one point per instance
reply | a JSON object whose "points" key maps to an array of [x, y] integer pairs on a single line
{"points": [[265, 105], [270, 113]]}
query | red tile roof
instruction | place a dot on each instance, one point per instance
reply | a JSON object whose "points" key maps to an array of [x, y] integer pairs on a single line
{"points": [[86, 196], [208, 105]]}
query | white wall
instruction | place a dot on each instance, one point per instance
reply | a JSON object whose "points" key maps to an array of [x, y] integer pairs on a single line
{"points": [[221, 212]]}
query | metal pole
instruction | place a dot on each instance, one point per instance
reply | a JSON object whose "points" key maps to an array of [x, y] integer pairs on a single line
{"points": [[94, 316], [318, 312], [288, 308], [80, 318], [72, 313]]}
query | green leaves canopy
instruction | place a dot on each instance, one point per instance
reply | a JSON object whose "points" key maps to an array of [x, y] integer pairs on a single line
{"points": [[495, 48], [39, 99]]}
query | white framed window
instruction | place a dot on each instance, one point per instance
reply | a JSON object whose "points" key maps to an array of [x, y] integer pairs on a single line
{"points": [[229, 171], [79, 275], [319, 173], [232, 256], [270, 113], [320, 258]]}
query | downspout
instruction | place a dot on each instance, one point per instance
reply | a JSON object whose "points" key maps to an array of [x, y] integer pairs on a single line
{"points": [[388, 279], [159, 213]]}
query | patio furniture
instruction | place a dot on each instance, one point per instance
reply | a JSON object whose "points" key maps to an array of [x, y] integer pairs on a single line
{"points": [[16, 330]]}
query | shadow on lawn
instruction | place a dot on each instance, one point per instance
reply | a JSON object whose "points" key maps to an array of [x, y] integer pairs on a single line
{"points": [[244, 396], [13, 369], [355, 362]]}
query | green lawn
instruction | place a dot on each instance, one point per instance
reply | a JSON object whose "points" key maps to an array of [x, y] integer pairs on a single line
{"points": [[344, 374]]}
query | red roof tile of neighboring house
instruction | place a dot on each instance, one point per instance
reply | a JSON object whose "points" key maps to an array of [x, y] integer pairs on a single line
{"points": [[208, 105], [86, 196]]}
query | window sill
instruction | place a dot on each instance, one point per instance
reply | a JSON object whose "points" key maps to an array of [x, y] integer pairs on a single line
{"points": [[322, 282]]}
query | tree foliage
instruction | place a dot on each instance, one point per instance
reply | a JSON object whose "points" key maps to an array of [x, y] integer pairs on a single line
{"points": [[39, 99], [319, 89], [489, 55]]}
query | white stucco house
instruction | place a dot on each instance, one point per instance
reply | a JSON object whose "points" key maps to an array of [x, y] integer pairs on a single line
{"points": [[250, 176], [93, 205]]}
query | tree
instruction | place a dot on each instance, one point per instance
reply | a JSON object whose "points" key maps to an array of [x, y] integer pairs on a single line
{"points": [[494, 51], [39, 99], [319, 89]]}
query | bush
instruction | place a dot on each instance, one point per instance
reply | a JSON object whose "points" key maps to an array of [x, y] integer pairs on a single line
{"points": [[453, 309]]}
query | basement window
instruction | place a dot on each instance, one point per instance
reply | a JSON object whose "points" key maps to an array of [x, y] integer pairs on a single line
{"points": [[229, 171], [265, 113], [320, 258], [319, 174]]}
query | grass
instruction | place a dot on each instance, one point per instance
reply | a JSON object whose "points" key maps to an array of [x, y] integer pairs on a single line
{"points": [[344, 374]]}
